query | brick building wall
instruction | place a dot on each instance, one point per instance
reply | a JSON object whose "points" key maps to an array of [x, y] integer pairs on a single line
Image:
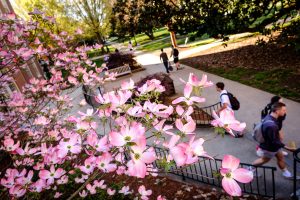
{"points": [[33, 67]]}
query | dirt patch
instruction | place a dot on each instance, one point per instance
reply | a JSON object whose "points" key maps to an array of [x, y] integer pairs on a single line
{"points": [[171, 189]]}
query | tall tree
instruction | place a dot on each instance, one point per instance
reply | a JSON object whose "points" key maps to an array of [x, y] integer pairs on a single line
{"points": [[95, 14], [140, 16], [53, 8], [215, 17], [226, 16]]}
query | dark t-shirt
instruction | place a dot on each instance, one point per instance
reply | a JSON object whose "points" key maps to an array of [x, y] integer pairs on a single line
{"points": [[164, 57], [176, 53], [270, 133]]}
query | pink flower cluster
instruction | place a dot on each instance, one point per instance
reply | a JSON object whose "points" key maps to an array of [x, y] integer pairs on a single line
{"points": [[50, 150]]}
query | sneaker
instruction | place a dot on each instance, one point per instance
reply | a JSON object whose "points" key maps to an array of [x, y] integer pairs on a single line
{"points": [[285, 153], [239, 135], [259, 152], [287, 174]]}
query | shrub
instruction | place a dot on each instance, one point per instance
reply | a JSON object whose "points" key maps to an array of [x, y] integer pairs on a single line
{"points": [[119, 59]]}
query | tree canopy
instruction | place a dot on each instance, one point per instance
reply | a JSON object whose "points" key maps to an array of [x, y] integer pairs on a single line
{"points": [[215, 17]]}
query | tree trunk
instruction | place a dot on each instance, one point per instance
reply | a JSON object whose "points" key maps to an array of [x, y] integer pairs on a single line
{"points": [[100, 40], [150, 35], [173, 39]]}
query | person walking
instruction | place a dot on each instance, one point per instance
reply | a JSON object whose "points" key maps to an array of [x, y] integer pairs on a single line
{"points": [[175, 54], [164, 58], [264, 113], [130, 46], [224, 98], [271, 147], [225, 102]]}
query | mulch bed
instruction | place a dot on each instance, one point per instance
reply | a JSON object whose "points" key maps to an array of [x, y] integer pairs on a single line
{"points": [[172, 189], [246, 54]]}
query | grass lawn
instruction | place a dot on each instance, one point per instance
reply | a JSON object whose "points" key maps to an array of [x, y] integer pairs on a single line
{"points": [[99, 62], [202, 42], [167, 43], [97, 52], [161, 44], [143, 38], [268, 80]]}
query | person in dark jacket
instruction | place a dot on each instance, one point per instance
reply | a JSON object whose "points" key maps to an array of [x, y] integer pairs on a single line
{"points": [[164, 58], [265, 112], [272, 143]]}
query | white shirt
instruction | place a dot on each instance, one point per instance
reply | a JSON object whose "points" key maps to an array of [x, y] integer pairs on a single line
{"points": [[225, 99]]}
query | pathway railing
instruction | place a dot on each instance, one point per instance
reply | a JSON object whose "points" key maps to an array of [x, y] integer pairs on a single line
{"points": [[296, 192], [90, 95], [121, 70], [204, 171], [201, 115]]}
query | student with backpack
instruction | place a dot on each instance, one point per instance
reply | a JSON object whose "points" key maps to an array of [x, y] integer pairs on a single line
{"points": [[228, 101], [266, 111], [175, 54], [271, 144]]}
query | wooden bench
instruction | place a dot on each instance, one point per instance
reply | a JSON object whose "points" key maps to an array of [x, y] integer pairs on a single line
{"points": [[121, 70]]}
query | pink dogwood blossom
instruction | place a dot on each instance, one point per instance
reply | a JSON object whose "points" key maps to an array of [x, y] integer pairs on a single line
{"points": [[161, 198], [140, 156], [129, 133], [186, 153], [111, 192], [228, 121], [184, 113], [51, 175], [151, 85], [125, 190], [72, 146], [187, 96], [127, 85], [163, 129], [83, 193], [41, 121], [231, 173], [104, 162], [100, 184], [9, 144], [187, 128], [194, 81], [144, 193], [91, 188]]}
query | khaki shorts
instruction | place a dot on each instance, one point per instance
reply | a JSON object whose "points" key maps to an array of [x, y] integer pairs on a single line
{"points": [[268, 154]]}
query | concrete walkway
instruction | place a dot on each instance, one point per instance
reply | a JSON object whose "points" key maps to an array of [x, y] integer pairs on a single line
{"points": [[252, 102]]}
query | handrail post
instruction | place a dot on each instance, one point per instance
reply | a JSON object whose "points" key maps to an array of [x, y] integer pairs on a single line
{"points": [[296, 159]]}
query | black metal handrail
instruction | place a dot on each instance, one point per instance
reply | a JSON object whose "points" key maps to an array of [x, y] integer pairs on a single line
{"points": [[296, 155], [204, 171], [89, 97], [201, 115]]}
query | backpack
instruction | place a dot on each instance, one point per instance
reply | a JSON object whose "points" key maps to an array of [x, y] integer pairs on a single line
{"points": [[176, 52], [235, 104], [257, 131], [265, 111]]}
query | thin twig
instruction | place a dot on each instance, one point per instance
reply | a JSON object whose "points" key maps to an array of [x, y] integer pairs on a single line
{"points": [[83, 185]]}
